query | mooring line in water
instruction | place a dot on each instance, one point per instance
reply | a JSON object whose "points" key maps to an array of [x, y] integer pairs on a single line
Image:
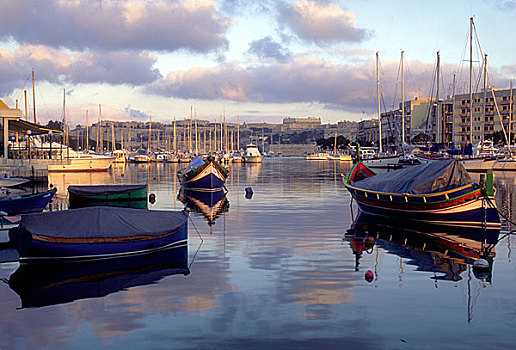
{"points": [[196, 229]]}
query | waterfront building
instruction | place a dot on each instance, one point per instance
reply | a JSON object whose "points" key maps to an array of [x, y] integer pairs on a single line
{"points": [[301, 123]]}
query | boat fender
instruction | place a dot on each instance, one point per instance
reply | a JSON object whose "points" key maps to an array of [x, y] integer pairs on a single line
{"points": [[481, 264], [248, 192], [152, 198], [369, 275]]}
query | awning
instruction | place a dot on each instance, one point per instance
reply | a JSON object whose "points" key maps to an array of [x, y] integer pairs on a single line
{"points": [[22, 126]]}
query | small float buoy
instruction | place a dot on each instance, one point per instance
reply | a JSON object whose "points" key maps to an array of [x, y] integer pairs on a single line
{"points": [[481, 264], [248, 192], [369, 242], [152, 198], [122, 175], [481, 269], [369, 275]]}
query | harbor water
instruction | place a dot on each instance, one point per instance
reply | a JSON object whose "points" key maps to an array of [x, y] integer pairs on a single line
{"points": [[281, 265]]}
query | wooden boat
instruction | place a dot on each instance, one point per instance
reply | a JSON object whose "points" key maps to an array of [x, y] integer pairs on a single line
{"points": [[40, 285], [97, 233], [16, 203], [112, 195], [438, 192], [202, 175]]}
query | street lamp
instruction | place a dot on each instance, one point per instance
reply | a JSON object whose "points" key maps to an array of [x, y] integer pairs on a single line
{"points": [[50, 152], [28, 142]]}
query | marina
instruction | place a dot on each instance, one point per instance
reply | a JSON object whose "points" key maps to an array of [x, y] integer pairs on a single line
{"points": [[289, 265]]}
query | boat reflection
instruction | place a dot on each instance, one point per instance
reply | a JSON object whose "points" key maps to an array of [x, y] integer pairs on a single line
{"points": [[209, 204], [43, 284], [440, 249]]}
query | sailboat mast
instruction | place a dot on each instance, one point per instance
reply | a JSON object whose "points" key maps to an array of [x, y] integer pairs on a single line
{"points": [[26, 110], [238, 133], [190, 131], [112, 137], [101, 131], [150, 134], [196, 141], [402, 103], [482, 131], [510, 118], [378, 97], [33, 97], [439, 125], [471, 80], [453, 110], [175, 140], [87, 134]]}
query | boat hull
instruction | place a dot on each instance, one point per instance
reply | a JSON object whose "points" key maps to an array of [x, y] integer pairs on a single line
{"points": [[75, 238], [82, 165], [253, 159], [473, 213], [208, 177], [27, 203]]}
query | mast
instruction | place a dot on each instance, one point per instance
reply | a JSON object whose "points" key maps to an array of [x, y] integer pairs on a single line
{"points": [[112, 137], [150, 134], [238, 133], [482, 131], [402, 104], [204, 141], [190, 131], [453, 110], [101, 131], [175, 137], [439, 133], [378, 97], [471, 80], [34, 97], [87, 135], [196, 142], [510, 118], [26, 110]]}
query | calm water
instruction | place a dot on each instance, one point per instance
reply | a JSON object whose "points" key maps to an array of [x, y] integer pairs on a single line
{"points": [[278, 270]]}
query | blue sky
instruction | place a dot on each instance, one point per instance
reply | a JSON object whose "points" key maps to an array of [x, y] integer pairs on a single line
{"points": [[260, 61]]}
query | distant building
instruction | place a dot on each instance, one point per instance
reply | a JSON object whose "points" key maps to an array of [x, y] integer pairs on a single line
{"points": [[301, 123], [367, 131]]}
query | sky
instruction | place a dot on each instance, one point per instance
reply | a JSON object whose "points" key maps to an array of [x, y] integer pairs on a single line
{"points": [[251, 61]]}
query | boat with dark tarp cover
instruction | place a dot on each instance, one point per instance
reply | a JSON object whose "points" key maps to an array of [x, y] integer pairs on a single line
{"points": [[131, 196], [200, 175], [440, 192], [97, 232]]}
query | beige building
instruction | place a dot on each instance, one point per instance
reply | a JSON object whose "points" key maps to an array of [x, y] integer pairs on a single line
{"points": [[301, 123]]}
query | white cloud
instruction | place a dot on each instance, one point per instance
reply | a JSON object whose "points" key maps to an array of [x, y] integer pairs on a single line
{"points": [[160, 25]]}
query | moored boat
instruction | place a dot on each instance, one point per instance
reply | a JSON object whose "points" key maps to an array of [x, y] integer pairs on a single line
{"points": [[15, 203], [440, 192], [317, 156], [81, 196], [252, 154], [97, 233], [202, 175]]}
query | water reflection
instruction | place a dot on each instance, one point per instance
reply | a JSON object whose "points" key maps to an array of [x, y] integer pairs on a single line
{"points": [[440, 249], [41, 284], [209, 204]]}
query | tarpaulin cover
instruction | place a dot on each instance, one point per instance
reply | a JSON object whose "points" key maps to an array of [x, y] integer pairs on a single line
{"points": [[194, 163], [428, 178], [103, 222], [103, 190]]}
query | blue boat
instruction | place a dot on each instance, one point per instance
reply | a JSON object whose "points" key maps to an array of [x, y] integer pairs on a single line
{"points": [[97, 233], [44, 284], [200, 175], [13, 203]]}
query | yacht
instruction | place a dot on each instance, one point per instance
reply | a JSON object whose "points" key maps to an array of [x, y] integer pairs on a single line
{"points": [[252, 154]]}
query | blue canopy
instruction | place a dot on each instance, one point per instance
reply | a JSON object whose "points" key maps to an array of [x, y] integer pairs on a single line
{"points": [[427, 178], [194, 163]]}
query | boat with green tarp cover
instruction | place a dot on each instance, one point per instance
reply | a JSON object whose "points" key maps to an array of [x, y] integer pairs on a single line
{"points": [[441, 192], [100, 193]]}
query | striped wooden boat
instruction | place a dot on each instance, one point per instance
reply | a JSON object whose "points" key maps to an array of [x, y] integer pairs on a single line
{"points": [[440, 192], [205, 176]]}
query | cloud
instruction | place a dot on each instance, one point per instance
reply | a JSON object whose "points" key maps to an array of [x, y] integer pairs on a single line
{"points": [[268, 48], [160, 25], [57, 67], [350, 87], [321, 22]]}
